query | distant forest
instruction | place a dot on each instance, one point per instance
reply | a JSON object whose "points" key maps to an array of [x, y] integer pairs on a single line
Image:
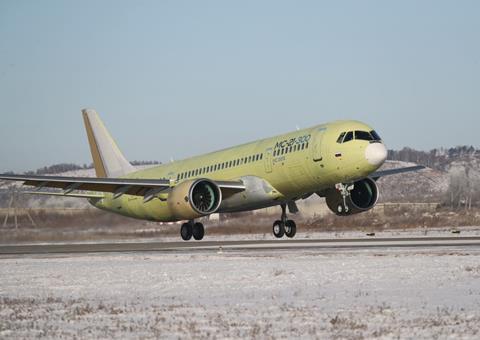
{"points": [[64, 167], [438, 159]]}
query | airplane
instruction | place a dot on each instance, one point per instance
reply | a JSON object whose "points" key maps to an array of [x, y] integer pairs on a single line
{"points": [[338, 161]]}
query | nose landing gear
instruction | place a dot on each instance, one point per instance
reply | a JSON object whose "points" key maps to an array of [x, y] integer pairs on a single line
{"points": [[284, 227], [190, 229]]}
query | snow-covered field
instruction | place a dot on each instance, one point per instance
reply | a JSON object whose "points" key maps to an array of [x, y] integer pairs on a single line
{"points": [[407, 293]]}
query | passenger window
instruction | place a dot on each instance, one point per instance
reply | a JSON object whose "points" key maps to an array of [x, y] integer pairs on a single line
{"points": [[340, 138], [348, 137], [363, 135]]}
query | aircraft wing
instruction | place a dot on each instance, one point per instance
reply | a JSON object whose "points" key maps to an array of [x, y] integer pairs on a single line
{"points": [[382, 173], [147, 188]]}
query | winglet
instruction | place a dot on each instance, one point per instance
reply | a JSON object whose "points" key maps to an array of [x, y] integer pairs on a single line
{"points": [[108, 160]]}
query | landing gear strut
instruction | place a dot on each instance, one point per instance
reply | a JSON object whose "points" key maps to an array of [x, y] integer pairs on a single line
{"points": [[190, 229], [284, 226], [344, 190]]}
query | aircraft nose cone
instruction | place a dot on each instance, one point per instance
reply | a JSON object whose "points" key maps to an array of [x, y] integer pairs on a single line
{"points": [[376, 154]]}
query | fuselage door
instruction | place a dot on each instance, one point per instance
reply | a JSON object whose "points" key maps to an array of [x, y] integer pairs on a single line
{"points": [[317, 145], [268, 160]]}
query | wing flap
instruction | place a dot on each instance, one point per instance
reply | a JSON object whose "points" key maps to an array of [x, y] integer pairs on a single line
{"points": [[61, 194]]}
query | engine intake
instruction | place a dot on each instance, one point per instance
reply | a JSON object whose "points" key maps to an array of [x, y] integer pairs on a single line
{"points": [[363, 197], [194, 198]]}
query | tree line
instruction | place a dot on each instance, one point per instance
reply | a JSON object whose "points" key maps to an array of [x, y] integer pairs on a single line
{"points": [[462, 164]]}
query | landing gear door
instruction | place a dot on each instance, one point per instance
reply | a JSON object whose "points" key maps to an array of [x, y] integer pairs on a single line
{"points": [[317, 145]]}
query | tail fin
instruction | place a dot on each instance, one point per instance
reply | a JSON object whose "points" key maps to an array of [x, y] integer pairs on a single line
{"points": [[107, 157]]}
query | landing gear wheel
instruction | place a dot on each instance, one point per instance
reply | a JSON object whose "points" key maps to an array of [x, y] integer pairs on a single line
{"points": [[290, 228], [186, 231], [278, 229], [198, 231]]}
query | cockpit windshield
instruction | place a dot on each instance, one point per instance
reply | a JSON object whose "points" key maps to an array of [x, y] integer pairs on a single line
{"points": [[371, 136], [348, 137], [375, 135], [363, 135]]}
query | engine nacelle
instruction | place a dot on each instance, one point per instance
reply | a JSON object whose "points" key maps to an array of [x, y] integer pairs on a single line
{"points": [[363, 197], [194, 198]]}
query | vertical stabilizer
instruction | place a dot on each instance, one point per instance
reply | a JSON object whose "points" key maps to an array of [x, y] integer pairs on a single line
{"points": [[108, 160]]}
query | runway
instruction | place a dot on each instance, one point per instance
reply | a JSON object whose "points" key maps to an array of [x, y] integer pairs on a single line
{"points": [[246, 246]]}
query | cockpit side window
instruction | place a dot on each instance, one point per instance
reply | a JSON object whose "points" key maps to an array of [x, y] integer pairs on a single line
{"points": [[340, 138], [348, 137], [363, 135], [375, 135]]}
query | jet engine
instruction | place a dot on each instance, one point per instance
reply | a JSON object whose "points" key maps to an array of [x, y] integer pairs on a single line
{"points": [[361, 197], [194, 198]]}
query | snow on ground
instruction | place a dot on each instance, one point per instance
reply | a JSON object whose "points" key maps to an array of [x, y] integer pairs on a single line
{"points": [[404, 293]]}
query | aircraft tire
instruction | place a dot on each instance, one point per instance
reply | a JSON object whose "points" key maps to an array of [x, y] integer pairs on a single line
{"points": [[290, 228], [278, 229], [198, 231], [186, 231]]}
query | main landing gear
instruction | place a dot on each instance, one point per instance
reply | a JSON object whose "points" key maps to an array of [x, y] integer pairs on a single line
{"points": [[284, 227], [190, 229]]}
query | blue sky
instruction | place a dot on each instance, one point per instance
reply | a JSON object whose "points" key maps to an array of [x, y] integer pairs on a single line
{"points": [[178, 78]]}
